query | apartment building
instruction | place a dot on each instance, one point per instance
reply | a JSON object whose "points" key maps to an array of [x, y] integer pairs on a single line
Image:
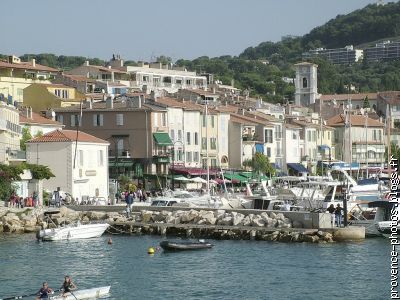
{"points": [[10, 134], [16, 75], [386, 50], [347, 55]]}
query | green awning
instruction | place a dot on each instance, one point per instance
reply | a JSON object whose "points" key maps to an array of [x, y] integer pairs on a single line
{"points": [[162, 139], [247, 174], [235, 177]]}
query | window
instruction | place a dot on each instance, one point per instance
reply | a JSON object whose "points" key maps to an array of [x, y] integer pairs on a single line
{"points": [[314, 136], [81, 158], [97, 120], [57, 92], [213, 162], [309, 135], [120, 146], [278, 132], [213, 143], [60, 118], [164, 119], [189, 156], [100, 158], [196, 138], [178, 80], [379, 135], [305, 83], [188, 82], [65, 94], [75, 121], [119, 119], [204, 120], [268, 151], [195, 156], [179, 135], [145, 78], [155, 122], [167, 79], [212, 121], [268, 136], [173, 134], [374, 135], [204, 143], [188, 138], [294, 135]]}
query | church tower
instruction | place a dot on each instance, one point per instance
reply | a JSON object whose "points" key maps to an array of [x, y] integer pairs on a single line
{"points": [[306, 83]]}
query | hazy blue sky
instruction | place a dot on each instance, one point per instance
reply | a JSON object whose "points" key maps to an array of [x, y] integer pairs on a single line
{"points": [[140, 30]]}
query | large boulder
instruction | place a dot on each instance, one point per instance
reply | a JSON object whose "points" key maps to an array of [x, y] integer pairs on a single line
{"points": [[257, 221], [225, 221], [189, 216], [69, 213], [237, 218], [10, 218], [246, 221], [146, 216], [29, 220], [95, 215]]}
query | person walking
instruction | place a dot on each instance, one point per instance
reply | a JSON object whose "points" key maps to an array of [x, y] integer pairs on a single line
{"points": [[338, 215], [129, 201], [331, 210]]}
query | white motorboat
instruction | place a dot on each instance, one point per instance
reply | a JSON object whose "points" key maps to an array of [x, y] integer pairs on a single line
{"points": [[84, 294], [73, 232]]}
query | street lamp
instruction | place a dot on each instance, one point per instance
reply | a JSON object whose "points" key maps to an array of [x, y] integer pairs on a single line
{"points": [[173, 162]]}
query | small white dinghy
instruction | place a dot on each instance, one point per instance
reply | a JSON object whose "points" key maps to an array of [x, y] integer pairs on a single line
{"points": [[84, 294]]}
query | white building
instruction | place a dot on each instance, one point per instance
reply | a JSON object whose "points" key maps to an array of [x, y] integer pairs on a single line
{"points": [[83, 172], [158, 76], [10, 133], [293, 143]]}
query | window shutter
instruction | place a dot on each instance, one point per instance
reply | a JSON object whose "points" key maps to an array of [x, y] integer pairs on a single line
{"points": [[101, 120], [73, 121], [94, 120]]}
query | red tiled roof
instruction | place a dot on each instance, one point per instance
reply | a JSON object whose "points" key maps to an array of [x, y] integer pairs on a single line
{"points": [[106, 69], [392, 97], [36, 119], [356, 120], [187, 105], [80, 78], [344, 97], [67, 136], [26, 66]]}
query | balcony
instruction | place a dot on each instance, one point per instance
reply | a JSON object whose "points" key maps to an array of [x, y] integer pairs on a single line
{"points": [[16, 155]]}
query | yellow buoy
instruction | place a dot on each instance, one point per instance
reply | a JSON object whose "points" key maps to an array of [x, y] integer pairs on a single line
{"points": [[150, 250]]}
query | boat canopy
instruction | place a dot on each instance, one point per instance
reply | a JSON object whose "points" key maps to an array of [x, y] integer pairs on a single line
{"points": [[382, 203], [299, 168]]}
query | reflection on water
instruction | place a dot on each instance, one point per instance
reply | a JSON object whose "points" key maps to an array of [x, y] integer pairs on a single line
{"points": [[231, 270]]}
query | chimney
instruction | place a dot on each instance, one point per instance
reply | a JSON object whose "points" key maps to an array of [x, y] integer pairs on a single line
{"points": [[109, 103], [33, 62]]}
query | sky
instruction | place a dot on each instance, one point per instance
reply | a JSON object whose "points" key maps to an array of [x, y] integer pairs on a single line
{"points": [[143, 30]]}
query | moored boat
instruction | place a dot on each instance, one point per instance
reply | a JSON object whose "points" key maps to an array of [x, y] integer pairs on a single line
{"points": [[84, 294], [182, 246]]}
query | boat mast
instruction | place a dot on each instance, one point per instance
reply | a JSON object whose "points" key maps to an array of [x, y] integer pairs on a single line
{"points": [[366, 142]]}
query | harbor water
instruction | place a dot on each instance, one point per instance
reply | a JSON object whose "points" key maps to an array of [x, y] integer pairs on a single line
{"points": [[230, 270]]}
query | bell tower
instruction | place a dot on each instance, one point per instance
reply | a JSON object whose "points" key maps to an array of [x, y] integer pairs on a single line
{"points": [[306, 83]]}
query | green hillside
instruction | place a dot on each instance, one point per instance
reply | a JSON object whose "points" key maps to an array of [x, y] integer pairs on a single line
{"points": [[260, 69]]}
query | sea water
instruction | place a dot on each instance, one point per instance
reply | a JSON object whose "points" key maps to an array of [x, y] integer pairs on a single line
{"points": [[230, 270]]}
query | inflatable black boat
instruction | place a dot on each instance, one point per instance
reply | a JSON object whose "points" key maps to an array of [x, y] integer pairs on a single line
{"points": [[182, 246]]}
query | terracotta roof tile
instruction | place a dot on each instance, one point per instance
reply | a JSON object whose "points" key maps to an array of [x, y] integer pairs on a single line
{"points": [[67, 136], [356, 120], [344, 97], [26, 66], [36, 119]]}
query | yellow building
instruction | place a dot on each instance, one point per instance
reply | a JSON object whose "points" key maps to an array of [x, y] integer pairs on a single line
{"points": [[16, 75], [43, 96]]}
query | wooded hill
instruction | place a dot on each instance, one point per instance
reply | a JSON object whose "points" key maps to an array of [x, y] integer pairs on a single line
{"points": [[260, 69]]}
